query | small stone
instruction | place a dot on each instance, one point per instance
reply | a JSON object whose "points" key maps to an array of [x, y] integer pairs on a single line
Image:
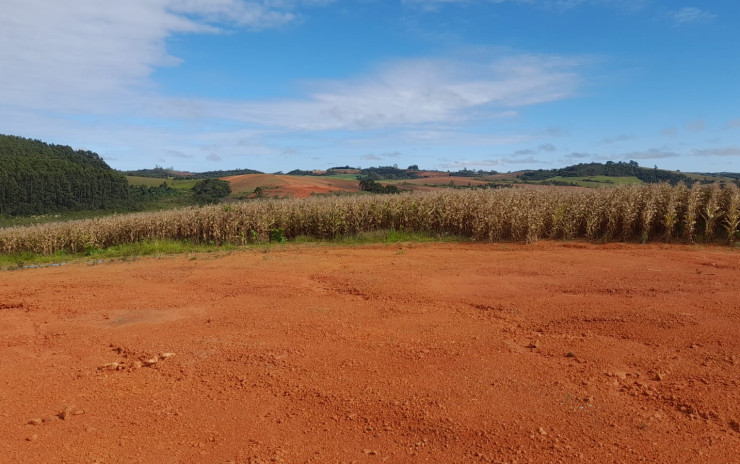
{"points": [[659, 376], [150, 362], [66, 413], [735, 425], [534, 344], [542, 431], [78, 412], [370, 452], [164, 356], [110, 366], [35, 422], [33, 437], [620, 374], [48, 419], [570, 354]]}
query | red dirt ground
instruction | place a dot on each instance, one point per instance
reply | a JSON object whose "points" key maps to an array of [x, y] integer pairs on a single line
{"points": [[439, 353], [290, 186]]}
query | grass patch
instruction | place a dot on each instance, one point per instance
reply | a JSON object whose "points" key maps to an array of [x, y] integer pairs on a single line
{"points": [[174, 247], [180, 184], [343, 176], [132, 250]]}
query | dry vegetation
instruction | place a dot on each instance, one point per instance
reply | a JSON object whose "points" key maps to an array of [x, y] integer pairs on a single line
{"points": [[644, 213]]}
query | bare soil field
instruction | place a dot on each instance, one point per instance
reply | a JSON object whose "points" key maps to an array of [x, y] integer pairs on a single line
{"points": [[290, 186], [413, 353]]}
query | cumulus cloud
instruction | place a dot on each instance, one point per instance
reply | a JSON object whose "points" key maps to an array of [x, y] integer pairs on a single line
{"points": [[408, 92], [87, 55], [80, 71]]}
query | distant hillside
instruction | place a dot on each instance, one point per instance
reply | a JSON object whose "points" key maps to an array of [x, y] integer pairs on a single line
{"points": [[389, 173], [218, 174], [610, 169], [37, 178], [158, 172]]}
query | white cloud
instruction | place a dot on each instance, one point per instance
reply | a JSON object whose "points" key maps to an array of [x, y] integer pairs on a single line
{"points": [[89, 55], [733, 124], [80, 72], [579, 156], [491, 163], [653, 153], [380, 156], [691, 14], [696, 126], [669, 132], [617, 139], [629, 5], [547, 147], [724, 151]]}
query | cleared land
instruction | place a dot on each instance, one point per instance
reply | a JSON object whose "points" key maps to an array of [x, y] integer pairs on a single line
{"points": [[290, 186], [442, 353]]}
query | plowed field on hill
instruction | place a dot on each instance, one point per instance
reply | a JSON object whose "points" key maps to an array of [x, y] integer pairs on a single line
{"points": [[290, 186]]}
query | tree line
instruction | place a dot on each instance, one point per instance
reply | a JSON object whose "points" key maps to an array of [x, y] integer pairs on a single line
{"points": [[611, 169], [37, 178]]}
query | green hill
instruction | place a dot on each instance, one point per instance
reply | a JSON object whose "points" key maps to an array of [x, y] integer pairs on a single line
{"points": [[609, 169], [37, 178]]}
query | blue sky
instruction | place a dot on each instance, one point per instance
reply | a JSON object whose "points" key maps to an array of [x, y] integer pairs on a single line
{"points": [[445, 84]]}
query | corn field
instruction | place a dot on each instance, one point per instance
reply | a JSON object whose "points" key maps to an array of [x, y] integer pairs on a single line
{"points": [[657, 212]]}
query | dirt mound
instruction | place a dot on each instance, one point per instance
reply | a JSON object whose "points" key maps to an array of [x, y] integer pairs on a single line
{"points": [[434, 353]]}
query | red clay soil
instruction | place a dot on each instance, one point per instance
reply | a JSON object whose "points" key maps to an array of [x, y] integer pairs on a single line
{"points": [[440, 353], [290, 186]]}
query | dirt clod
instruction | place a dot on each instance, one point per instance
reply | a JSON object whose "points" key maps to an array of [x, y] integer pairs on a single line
{"points": [[66, 413]]}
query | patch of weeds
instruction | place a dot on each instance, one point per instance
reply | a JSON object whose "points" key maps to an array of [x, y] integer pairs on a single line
{"points": [[277, 235]]}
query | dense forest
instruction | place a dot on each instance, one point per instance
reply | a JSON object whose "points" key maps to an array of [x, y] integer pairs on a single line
{"points": [[465, 172], [388, 173], [612, 169], [36, 178]]}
